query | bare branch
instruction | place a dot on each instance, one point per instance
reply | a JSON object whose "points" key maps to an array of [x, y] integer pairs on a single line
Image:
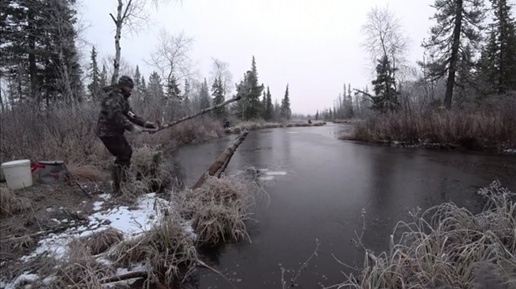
{"points": [[113, 17], [171, 55]]}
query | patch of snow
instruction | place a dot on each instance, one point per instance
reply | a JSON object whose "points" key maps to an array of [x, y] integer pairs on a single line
{"points": [[130, 221], [25, 276], [510, 151], [97, 206], [105, 196], [276, 173]]}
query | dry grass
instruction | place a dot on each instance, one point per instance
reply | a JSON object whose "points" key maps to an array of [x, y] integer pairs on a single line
{"points": [[253, 125], [11, 204], [448, 247], [100, 241], [470, 129], [80, 271], [149, 172], [63, 133], [218, 209], [166, 249]]}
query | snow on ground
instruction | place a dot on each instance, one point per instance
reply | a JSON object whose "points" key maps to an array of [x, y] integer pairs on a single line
{"points": [[24, 277], [128, 220], [510, 151], [132, 221]]}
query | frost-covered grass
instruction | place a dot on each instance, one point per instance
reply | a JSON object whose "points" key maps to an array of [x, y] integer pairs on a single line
{"points": [[472, 129], [448, 247], [218, 210]]}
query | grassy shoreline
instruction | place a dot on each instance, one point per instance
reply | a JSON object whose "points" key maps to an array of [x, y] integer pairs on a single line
{"points": [[469, 130]]}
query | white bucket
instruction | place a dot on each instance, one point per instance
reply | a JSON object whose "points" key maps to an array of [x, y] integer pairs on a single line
{"points": [[17, 174]]}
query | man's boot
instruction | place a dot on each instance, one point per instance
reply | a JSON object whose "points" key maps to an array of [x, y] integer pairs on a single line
{"points": [[116, 175]]}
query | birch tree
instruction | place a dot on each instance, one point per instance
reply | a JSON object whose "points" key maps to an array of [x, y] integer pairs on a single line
{"points": [[385, 38], [133, 15]]}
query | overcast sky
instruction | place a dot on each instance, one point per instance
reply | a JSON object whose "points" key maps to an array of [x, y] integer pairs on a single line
{"points": [[313, 45]]}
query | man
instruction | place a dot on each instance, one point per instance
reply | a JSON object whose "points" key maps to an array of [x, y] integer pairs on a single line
{"points": [[115, 118]]}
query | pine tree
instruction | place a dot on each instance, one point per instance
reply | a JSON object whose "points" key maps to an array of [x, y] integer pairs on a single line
{"points": [[386, 96], [498, 61], [269, 108], [103, 77], [218, 97], [252, 108], [94, 73], [137, 77], [263, 105], [155, 87], [204, 95], [458, 24], [285, 113], [172, 89]]}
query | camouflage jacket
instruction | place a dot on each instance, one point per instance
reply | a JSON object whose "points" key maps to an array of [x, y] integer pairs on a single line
{"points": [[116, 115]]}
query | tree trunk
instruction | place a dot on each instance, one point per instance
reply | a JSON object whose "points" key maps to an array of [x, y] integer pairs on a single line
{"points": [[66, 79], [118, 34], [32, 57], [501, 56], [221, 160], [454, 55]]}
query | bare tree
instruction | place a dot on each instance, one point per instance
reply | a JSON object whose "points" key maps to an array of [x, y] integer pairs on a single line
{"points": [[171, 56], [133, 14], [384, 38], [220, 70]]}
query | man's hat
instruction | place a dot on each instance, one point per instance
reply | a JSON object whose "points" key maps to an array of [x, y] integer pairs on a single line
{"points": [[125, 81]]}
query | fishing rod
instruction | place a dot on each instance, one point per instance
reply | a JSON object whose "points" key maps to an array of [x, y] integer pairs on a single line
{"points": [[175, 122]]}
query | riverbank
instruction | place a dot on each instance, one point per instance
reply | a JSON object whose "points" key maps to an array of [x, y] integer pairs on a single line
{"points": [[55, 237], [468, 130], [254, 125], [447, 247]]}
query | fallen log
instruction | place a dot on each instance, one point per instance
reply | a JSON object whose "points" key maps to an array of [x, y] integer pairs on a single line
{"points": [[222, 160]]}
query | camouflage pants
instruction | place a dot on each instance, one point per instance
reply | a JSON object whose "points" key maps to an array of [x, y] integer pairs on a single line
{"points": [[120, 148]]}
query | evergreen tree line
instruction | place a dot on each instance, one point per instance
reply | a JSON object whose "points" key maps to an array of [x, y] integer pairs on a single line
{"points": [[39, 61], [39, 65]]}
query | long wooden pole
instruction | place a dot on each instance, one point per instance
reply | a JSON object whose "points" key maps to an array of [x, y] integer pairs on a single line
{"points": [[167, 125]]}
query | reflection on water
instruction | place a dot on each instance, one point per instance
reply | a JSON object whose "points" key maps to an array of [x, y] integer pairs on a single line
{"points": [[318, 187]]}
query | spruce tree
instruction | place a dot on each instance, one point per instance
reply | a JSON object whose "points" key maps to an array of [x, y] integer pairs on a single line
{"points": [[269, 108], [458, 25], [498, 61], [386, 96], [252, 109], [204, 95], [155, 87], [285, 106], [172, 89], [217, 90], [94, 74]]}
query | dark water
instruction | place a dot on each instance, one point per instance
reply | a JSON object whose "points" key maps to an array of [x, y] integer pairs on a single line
{"points": [[327, 185]]}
